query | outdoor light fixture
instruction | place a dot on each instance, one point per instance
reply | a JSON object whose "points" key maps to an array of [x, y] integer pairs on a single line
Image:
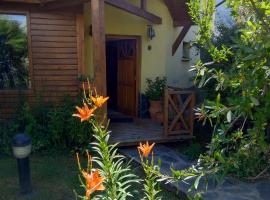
{"points": [[186, 51], [151, 32], [21, 146]]}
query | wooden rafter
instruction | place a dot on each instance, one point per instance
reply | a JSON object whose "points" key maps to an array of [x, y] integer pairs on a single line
{"points": [[56, 4], [180, 38], [126, 6], [144, 4], [121, 4], [22, 1], [180, 17], [27, 1]]}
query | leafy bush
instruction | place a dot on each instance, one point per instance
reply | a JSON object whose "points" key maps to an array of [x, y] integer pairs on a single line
{"points": [[155, 88], [193, 151], [7, 131], [50, 127], [239, 108]]}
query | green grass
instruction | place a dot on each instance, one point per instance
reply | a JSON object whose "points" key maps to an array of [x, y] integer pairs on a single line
{"points": [[54, 177]]}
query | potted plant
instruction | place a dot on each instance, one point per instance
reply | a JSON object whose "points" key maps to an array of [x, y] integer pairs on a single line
{"points": [[154, 92]]}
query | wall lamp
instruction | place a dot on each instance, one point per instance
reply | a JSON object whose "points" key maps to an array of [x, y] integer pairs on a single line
{"points": [[151, 33]]}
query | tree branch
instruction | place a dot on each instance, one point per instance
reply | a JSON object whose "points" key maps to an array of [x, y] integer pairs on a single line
{"points": [[220, 3]]}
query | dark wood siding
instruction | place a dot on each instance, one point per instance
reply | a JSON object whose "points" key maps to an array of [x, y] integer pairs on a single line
{"points": [[56, 55]]}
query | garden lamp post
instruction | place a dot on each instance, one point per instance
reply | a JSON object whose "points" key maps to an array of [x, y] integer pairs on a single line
{"points": [[21, 146]]}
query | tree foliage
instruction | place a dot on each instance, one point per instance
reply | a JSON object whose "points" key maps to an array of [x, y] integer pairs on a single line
{"points": [[13, 55], [239, 112]]}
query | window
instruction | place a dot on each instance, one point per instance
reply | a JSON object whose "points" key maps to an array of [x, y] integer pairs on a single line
{"points": [[14, 60]]}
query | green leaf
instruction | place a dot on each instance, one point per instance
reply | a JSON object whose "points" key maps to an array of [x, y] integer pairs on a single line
{"points": [[197, 181], [255, 101], [229, 116]]}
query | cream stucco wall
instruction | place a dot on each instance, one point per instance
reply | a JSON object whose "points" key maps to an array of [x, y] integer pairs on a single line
{"points": [[155, 62]]}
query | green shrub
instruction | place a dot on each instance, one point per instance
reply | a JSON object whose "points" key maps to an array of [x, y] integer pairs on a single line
{"points": [[193, 151], [7, 131], [155, 88], [238, 73], [50, 127]]}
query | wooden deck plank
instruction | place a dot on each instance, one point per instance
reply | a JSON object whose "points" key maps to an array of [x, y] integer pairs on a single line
{"points": [[128, 134]]}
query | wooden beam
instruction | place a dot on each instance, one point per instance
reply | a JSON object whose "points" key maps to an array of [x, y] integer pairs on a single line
{"points": [[56, 4], [126, 6], [99, 52], [22, 1], [144, 4], [179, 12], [28, 1], [180, 37]]}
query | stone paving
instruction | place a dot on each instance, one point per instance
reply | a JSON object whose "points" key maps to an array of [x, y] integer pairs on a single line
{"points": [[229, 190]]}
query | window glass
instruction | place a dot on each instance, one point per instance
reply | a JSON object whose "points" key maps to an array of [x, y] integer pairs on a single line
{"points": [[14, 61]]}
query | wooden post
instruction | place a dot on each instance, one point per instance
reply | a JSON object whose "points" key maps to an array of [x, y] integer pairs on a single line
{"points": [[99, 52], [166, 111], [191, 115], [144, 4]]}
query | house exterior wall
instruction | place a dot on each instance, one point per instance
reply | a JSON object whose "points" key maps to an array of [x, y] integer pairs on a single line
{"points": [[155, 62], [55, 55]]}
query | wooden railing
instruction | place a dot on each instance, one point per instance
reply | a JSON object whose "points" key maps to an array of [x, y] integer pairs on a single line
{"points": [[178, 111]]}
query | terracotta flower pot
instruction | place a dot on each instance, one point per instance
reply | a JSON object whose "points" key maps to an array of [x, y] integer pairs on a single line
{"points": [[159, 117], [155, 108]]}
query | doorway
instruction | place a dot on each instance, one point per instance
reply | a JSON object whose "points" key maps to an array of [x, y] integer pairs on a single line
{"points": [[122, 59]]}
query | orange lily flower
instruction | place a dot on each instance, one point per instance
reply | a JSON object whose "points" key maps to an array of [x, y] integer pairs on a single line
{"points": [[93, 182], [84, 113], [99, 100], [145, 149]]}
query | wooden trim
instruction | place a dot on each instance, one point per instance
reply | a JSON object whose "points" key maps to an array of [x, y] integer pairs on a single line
{"points": [[99, 53], [183, 109], [30, 90], [180, 38], [38, 7], [144, 4], [23, 1], [191, 117], [138, 72], [30, 53], [166, 111], [138, 62], [80, 44], [126, 6], [53, 5], [179, 12]]}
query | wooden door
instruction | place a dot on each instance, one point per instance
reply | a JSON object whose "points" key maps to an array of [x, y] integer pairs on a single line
{"points": [[126, 83]]}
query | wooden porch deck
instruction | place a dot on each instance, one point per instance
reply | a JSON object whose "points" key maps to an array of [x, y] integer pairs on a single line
{"points": [[141, 130]]}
